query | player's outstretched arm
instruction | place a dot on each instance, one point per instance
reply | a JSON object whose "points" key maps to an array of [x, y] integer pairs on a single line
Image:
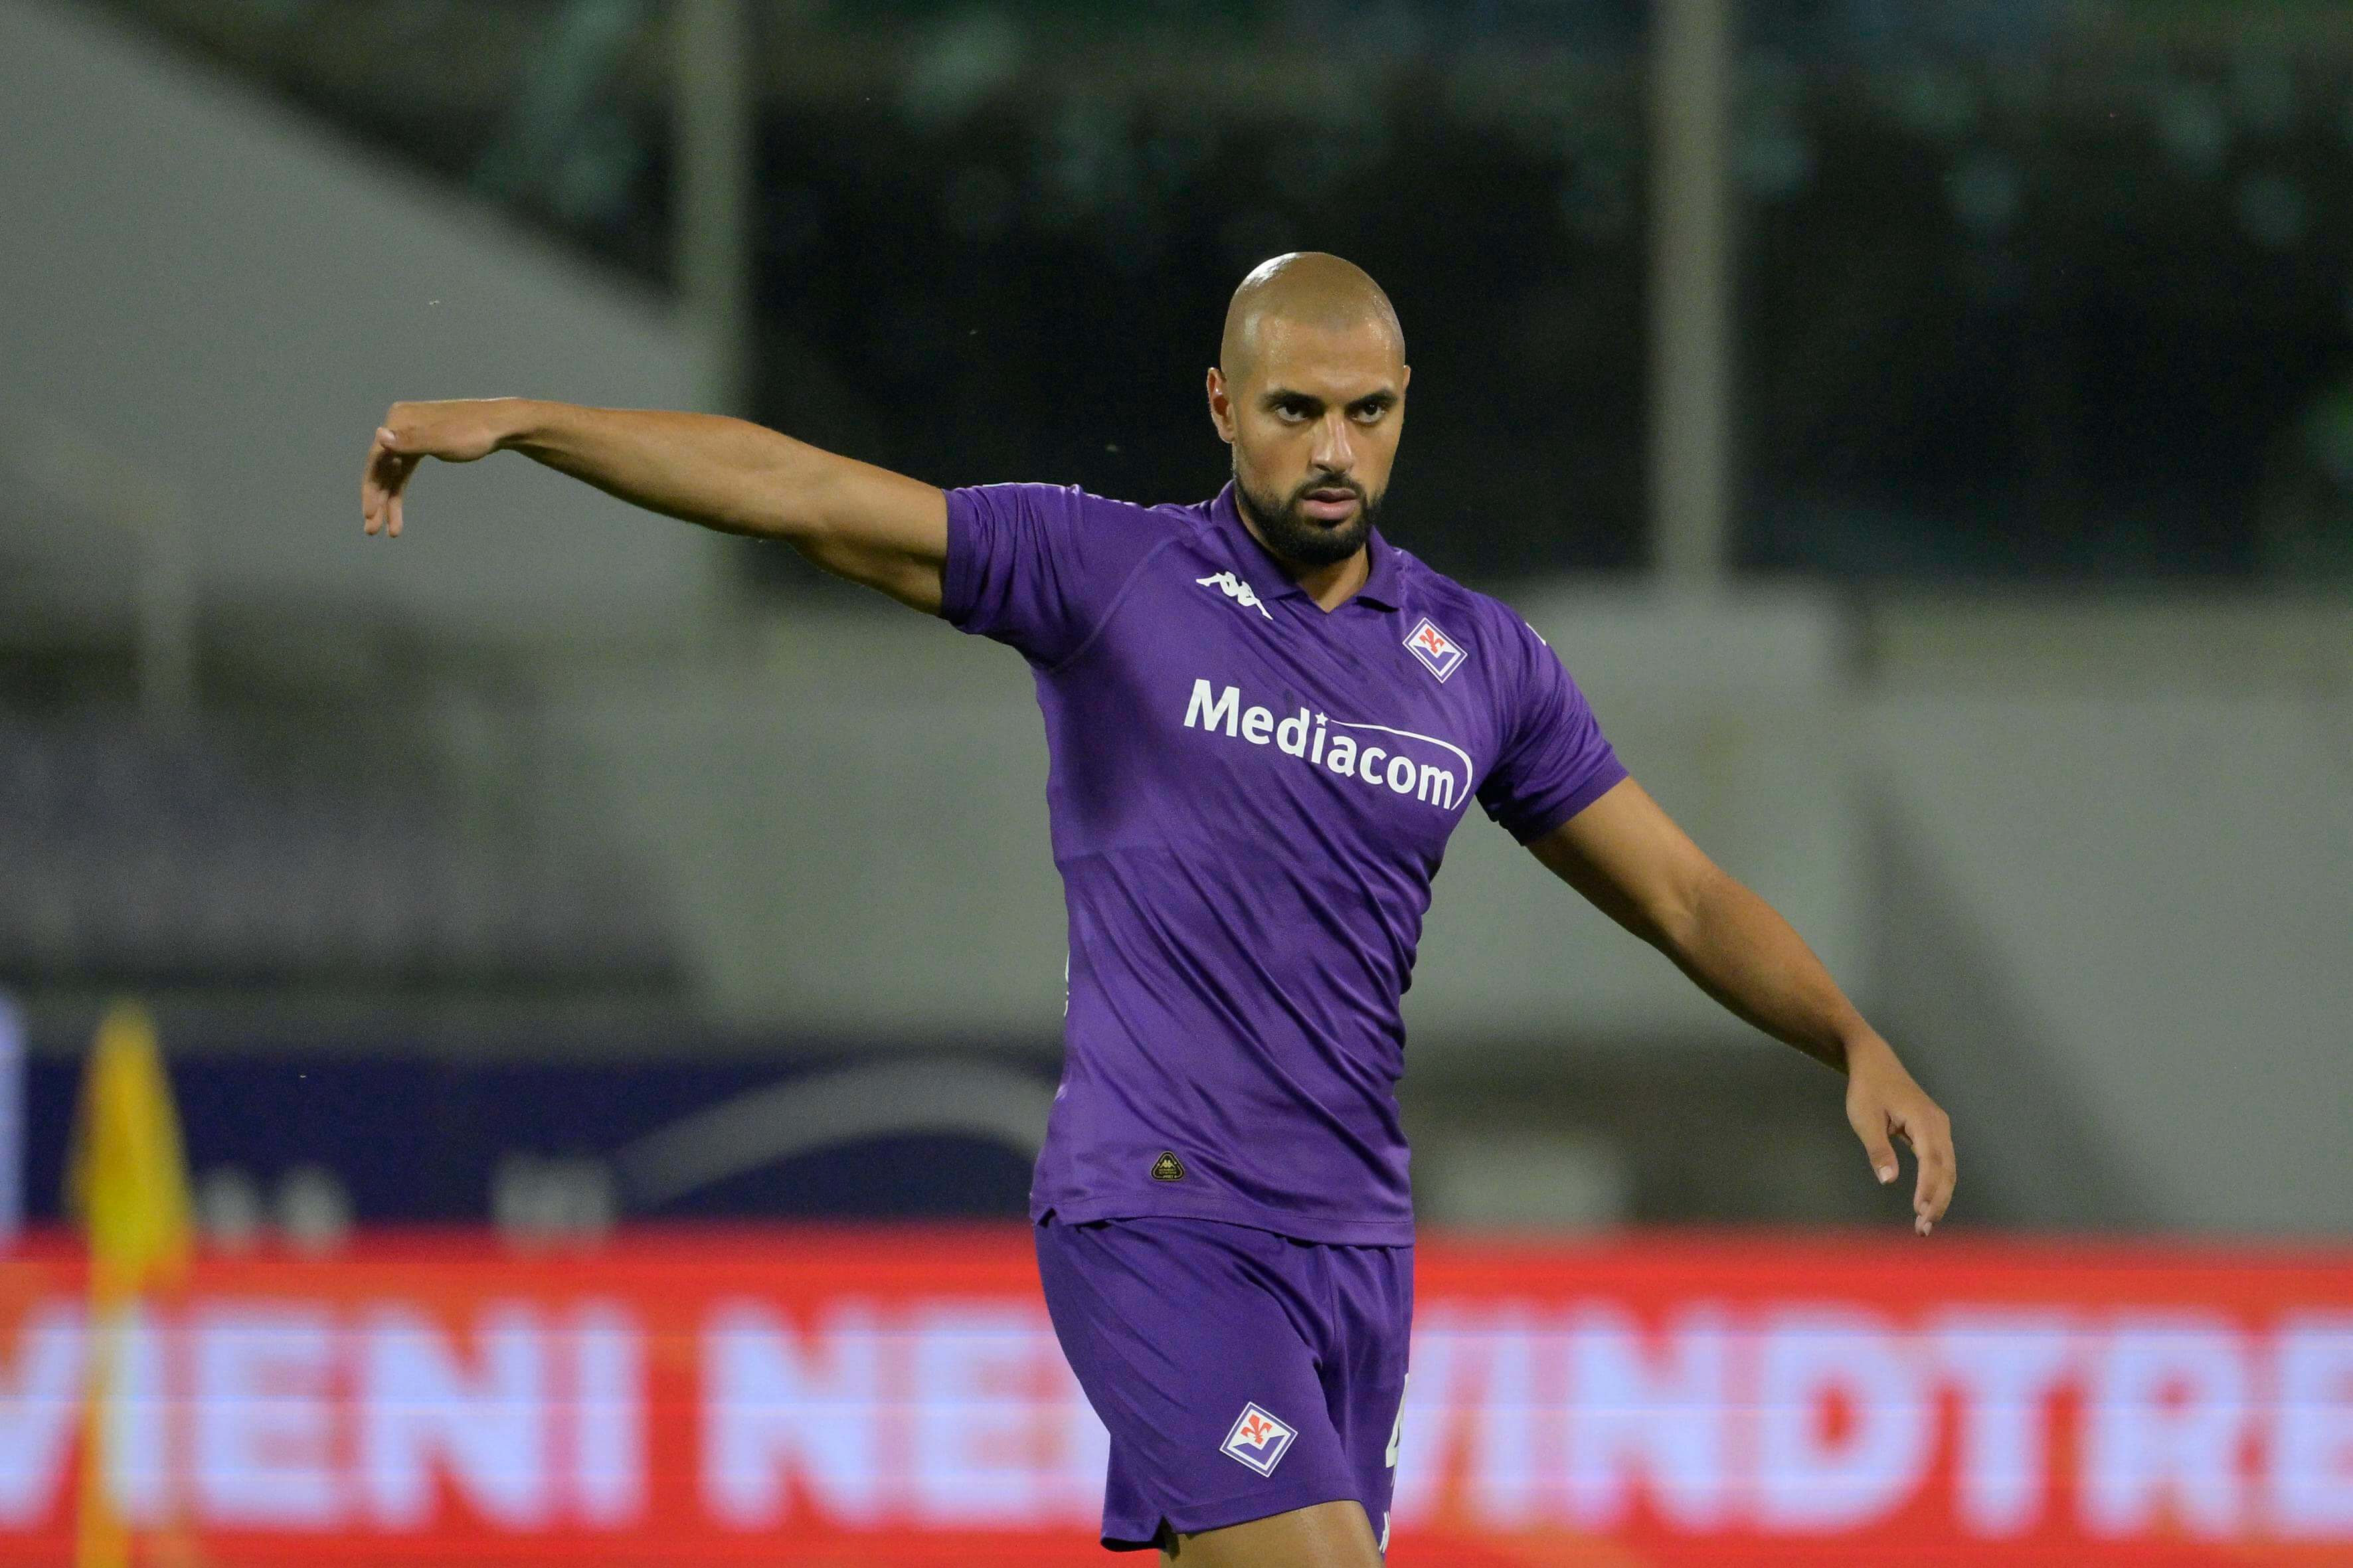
{"points": [[1627, 856], [857, 521]]}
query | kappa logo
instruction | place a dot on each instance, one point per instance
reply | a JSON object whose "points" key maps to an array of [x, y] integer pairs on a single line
{"points": [[1440, 654], [1258, 1439], [1167, 1168], [1234, 588]]}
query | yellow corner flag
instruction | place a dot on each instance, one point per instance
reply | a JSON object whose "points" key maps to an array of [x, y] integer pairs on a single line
{"points": [[127, 1184]]}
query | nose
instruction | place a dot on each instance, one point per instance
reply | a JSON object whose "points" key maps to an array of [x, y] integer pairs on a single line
{"points": [[1335, 449]]}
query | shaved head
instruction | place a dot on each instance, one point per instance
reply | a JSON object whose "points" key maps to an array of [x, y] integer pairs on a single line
{"points": [[1305, 288], [1309, 391]]}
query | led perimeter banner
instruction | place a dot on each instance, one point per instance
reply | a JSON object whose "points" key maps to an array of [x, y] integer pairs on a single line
{"points": [[870, 1397]]}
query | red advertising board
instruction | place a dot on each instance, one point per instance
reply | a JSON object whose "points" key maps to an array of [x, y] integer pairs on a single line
{"points": [[814, 1396]]}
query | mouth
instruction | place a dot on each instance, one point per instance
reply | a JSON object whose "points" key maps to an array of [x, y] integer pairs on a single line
{"points": [[1329, 503]]}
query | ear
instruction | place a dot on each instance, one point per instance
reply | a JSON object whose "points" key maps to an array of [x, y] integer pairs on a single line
{"points": [[1221, 407]]}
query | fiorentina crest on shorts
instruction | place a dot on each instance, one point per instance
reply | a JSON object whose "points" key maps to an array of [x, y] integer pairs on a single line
{"points": [[1440, 654], [1258, 1439]]}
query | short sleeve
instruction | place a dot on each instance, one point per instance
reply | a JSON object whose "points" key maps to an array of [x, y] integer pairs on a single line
{"points": [[1037, 566], [1555, 761]]}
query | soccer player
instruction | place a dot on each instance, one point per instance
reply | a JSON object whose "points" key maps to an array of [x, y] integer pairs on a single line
{"points": [[1264, 720]]}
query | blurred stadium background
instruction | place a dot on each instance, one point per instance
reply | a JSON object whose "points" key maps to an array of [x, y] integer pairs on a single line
{"points": [[609, 976]]}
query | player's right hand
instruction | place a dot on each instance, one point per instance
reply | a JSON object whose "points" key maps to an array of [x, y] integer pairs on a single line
{"points": [[458, 431]]}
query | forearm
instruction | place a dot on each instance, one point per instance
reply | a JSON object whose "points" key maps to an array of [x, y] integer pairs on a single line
{"points": [[726, 474], [852, 519], [1737, 948], [1624, 854]]}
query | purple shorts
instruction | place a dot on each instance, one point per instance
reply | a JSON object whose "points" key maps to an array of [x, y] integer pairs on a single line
{"points": [[1242, 1373]]}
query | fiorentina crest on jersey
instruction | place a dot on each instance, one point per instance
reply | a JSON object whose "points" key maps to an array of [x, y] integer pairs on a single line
{"points": [[1440, 654], [1258, 1439]]}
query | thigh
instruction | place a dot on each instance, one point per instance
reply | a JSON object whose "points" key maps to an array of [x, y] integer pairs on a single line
{"points": [[1188, 1337], [1328, 1535]]}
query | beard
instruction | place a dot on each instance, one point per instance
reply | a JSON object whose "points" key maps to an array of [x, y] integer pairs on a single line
{"points": [[1295, 537]]}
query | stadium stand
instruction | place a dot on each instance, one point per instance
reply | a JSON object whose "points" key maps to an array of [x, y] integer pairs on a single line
{"points": [[223, 855]]}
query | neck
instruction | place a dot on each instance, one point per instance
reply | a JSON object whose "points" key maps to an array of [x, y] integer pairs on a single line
{"points": [[1331, 585]]}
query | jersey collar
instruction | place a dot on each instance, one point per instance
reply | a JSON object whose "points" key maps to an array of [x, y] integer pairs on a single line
{"points": [[1385, 584]]}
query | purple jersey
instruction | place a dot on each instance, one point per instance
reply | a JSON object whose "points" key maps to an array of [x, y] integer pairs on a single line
{"points": [[1249, 798]]}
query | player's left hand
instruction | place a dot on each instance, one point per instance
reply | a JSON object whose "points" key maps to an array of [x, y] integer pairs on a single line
{"points": [[1884, 1104]]}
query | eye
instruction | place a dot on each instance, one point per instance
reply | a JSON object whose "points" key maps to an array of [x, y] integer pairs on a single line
{"points": [[1291, 409], [1370, 413]]}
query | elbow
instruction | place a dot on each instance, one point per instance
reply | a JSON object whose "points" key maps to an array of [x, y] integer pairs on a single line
{"points": [[804, 506], [1679, 914]]}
